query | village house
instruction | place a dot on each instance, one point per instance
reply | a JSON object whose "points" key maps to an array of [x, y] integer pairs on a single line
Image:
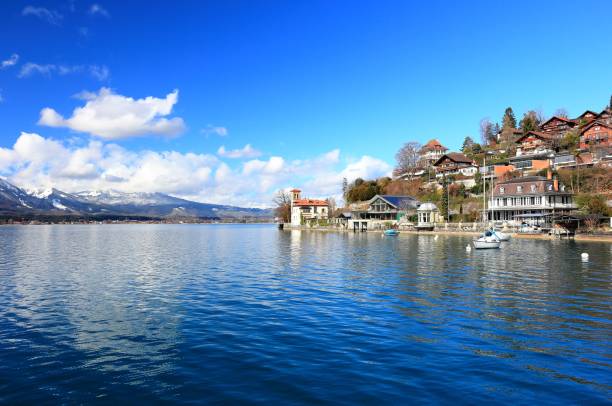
{"points": [[530, 199], [535, 143], [557, 127], [431, 152], [381, 210], [305, 211], [586, 117], [457, 165], [596, 134]]}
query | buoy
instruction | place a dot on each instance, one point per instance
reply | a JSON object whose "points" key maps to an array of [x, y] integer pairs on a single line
{"points": [[468, 248], [436, 237], [585, 256]]}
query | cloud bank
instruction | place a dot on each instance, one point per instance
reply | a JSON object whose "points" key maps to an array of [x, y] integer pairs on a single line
{"points": [[35, 161], [112, 116]]}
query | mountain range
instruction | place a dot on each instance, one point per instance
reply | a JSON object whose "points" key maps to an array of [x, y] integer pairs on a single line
{"points": [[15, 201]]}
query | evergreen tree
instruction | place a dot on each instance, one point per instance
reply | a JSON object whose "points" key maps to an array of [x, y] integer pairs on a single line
{"points": [[530, 122], [468, 144], [509, 120], [444, 209], [610, 104]]}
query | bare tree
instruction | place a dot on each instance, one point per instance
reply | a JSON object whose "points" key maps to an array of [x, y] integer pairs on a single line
{"points": [[408, 159], [282, 200], [561, 112], [487, 131]]}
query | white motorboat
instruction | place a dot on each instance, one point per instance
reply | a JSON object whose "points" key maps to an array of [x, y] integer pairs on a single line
{"points": [[486, 241]]}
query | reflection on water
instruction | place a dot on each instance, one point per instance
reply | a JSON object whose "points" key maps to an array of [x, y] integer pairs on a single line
{"points": [[252, 314]]}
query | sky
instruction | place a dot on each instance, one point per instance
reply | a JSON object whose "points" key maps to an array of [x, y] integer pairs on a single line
{"points": [[230, 101]]}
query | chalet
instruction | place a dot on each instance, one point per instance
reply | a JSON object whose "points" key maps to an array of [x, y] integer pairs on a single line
{"points": [[535, 143], [557, 126], [530, 199], [586, 117], [605, 116], [383, 209], [597, 134], [307, 210], [455, 163], [432, 151]]}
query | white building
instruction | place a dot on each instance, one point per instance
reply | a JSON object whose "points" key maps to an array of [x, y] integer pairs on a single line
{"points": [[307, 210], [530, 199]]}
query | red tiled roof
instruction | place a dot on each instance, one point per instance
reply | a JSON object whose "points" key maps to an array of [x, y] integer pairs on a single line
{"points": [[433, 145], [295, 190], [310, 202], [584, 114]]}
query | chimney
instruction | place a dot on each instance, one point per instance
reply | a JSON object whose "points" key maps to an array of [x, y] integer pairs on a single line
{"points": [[556, 184], [549, 174]]}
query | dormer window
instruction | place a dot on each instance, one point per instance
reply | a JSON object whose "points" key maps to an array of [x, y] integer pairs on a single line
{"points": [[533, 188], [550, 187], [519, 189], [502, 190]]}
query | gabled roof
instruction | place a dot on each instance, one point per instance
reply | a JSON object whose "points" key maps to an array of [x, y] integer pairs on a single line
{"points": [[584, 114], [595, 122], [399, 202], [310, 202], [567, 120], [455, 157], [604, 111], [433, 144], [538, 134]]}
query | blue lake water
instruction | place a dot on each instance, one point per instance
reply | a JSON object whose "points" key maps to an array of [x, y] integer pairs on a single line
{"points": [[250, 314]]}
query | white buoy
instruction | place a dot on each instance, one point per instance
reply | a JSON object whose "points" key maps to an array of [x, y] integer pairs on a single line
{"points": [[436, 237], [468, 248], [584, 256]]}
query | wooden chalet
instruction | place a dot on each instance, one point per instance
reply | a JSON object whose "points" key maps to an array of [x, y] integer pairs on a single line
{"points": [[557, 126], [455, 163], [597, 134]]}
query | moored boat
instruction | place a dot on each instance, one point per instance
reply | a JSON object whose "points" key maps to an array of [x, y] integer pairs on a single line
{"points": [[486, 241], [391, 232]]}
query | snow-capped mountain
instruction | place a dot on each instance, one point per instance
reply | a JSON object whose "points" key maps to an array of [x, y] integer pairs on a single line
{"points": [[14, 200]]}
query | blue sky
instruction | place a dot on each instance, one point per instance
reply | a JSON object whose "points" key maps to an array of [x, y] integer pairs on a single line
{"points": [[299, 93]]}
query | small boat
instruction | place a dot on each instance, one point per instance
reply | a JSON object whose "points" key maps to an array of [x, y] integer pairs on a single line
{"points": [[486, 241], [391, 232]]}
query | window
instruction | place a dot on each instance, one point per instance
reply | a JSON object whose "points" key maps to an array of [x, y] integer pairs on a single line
{"points": [[533, 188], [550, 188], [519, 189], [502, 190]]}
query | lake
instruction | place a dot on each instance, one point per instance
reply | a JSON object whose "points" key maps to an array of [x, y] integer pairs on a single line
{"points": [[250, 314]]}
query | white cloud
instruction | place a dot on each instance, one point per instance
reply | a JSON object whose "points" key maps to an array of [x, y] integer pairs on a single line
{"points": [[50, 16], [246, 152], [99, 72], [35, 161], [98, 9], [11, 61], [112, 116], [215, 130]]}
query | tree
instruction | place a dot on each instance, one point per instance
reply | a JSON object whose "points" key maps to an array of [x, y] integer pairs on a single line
{"points": [[282, 200], [361, 190], [561, 112], [530, 121], [487, 132], [444, 204], [344, 188], [509, 120], [592, 204], [468, 145], [610, 104], [331, 202], [408, 159]]}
